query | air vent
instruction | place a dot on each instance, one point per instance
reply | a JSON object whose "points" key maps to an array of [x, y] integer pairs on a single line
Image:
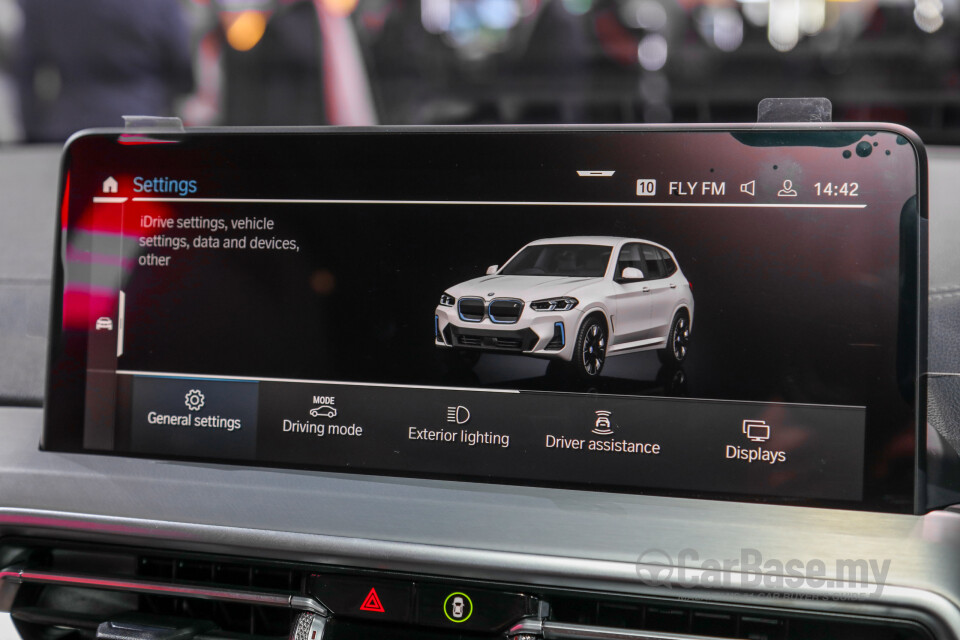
{"points": [[558, 340], [240, 618], [725, 622], [66, 593], [58, 612]]}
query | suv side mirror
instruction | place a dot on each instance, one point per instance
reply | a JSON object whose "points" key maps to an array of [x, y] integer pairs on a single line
{"points": [[492, 269], [632, 273]]}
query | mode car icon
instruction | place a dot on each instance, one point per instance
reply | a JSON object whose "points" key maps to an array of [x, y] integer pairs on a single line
{"points": [[323, 412], [577, 299]]}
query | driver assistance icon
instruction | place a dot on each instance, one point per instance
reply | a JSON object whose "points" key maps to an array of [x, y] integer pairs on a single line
{"points": [[458, 607], [602, 425]]}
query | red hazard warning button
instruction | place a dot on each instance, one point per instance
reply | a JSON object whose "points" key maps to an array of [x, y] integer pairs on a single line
{"points": [[356, 597], [372, 603]]}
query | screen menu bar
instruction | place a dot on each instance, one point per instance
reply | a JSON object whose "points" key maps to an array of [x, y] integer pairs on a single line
{"points": [[787, 450]]}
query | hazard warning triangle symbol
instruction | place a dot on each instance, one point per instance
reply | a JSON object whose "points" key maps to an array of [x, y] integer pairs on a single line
{"points": [[372, 603]]}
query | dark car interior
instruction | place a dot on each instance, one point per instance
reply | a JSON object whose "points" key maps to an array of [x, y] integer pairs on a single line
{"points": [[232, 419]]}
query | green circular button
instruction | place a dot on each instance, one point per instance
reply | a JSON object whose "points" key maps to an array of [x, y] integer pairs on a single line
{"points": [[458, 611]]}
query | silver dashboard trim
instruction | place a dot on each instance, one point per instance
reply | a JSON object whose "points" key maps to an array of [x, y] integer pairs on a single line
{"points": [[935, 611], [526, 628]]}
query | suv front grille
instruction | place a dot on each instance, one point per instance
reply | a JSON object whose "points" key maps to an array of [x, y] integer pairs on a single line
{"points": [[471, 309], [499, 310], [505, 310], [494, 339], [500, 343]]}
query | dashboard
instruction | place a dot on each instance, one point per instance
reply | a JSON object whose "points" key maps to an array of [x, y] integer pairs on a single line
{"points": [[134, 534]]}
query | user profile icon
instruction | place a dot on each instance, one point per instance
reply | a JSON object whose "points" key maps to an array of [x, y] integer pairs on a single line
{"points": [[787, 191]]}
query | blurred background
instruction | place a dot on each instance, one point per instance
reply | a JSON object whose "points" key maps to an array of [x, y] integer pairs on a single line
{"points": [[69, 64]]}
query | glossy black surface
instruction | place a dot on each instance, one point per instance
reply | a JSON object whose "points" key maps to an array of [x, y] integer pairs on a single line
{"points": [[798, 306]]}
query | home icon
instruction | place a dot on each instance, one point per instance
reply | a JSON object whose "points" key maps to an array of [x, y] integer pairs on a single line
{"points": [[110, 185]]}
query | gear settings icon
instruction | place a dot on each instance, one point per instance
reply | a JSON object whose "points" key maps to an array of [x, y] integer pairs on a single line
{"points": [[194, 400]]}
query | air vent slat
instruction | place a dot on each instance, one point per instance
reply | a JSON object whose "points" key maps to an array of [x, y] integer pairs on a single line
{"points": [[621, 615], [709, 623], [55, 618], [762, 628]]}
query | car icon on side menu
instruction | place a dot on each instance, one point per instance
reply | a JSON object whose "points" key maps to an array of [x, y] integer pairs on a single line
{"points": [[575, 299], [325, 411]]}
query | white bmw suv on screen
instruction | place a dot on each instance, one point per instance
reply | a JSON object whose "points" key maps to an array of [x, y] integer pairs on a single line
{"points": [[576, 299]]}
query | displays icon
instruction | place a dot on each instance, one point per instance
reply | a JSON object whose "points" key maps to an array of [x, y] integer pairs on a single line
{"points": [[788, 191], [602, 426], [194, 400], [104, 324], [458, 607], [749, 188], [756, 430]]}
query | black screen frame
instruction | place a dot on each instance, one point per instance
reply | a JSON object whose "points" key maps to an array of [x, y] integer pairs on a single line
{"points": [[66, 379]]}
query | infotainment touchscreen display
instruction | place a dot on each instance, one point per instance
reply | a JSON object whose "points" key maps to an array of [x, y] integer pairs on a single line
{"points": [[721, 312]]}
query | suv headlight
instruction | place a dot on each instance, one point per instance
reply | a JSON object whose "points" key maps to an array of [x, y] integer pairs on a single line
{"points": [[447, 300], [554, 304]]}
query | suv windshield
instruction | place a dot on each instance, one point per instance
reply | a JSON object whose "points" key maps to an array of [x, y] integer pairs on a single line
{"points": [[582, 260]]}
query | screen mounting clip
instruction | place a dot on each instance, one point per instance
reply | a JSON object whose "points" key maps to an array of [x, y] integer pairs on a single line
{"points": [[795, 110], [153, 123]]}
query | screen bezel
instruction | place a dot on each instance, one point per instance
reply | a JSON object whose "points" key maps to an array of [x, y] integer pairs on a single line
{"points": [[64, 397]]}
